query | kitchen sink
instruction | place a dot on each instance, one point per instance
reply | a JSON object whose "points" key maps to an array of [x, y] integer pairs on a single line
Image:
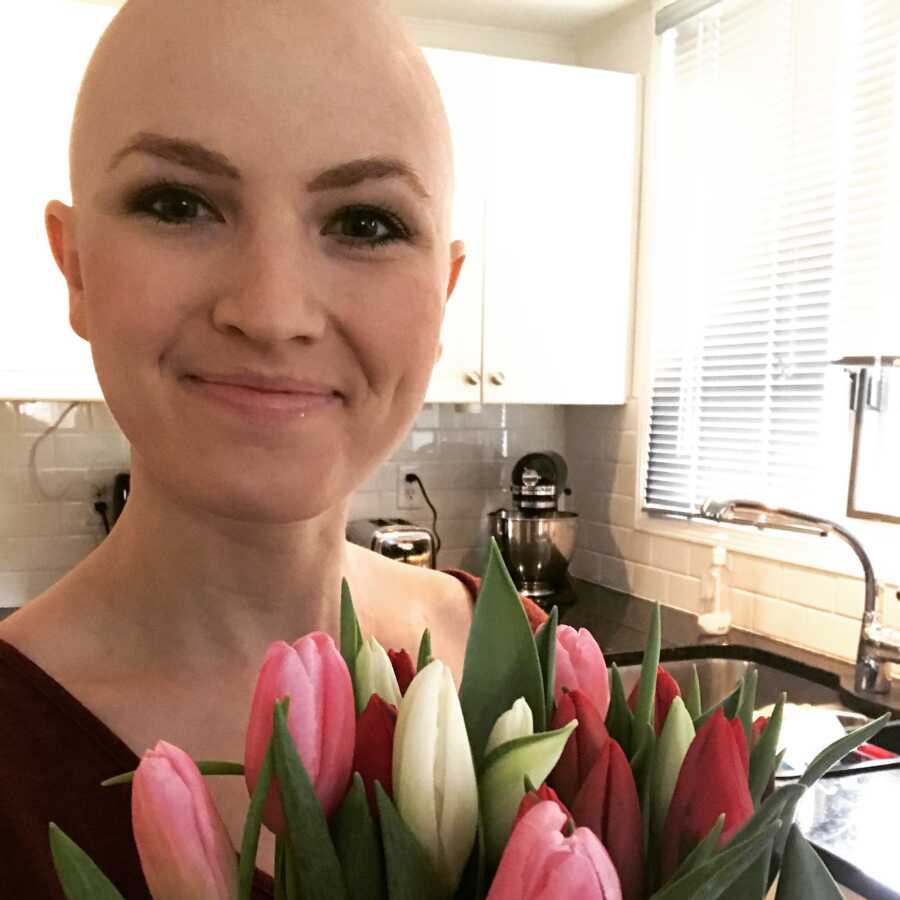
{"points": [[718, 678]]}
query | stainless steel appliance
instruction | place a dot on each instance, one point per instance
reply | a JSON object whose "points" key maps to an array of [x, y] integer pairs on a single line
{"points": [[395, 538], [537, 539]]}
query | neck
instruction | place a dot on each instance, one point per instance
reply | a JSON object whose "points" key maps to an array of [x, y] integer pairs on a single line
{"points": [[177, 584]]}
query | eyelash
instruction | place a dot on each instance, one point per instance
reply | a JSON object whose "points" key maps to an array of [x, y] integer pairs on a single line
{"points": [[142, 201]]}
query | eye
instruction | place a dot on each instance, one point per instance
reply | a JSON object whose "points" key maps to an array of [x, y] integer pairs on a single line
{"points": [[367, 227], [171, 204]]}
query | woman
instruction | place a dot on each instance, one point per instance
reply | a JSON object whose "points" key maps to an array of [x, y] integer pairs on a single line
{"points": [[261, 200]]}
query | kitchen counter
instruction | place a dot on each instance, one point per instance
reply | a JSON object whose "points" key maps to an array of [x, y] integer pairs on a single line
{"points": [[847, 818]]}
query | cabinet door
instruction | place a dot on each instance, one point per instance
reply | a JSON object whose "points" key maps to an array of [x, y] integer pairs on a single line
{"points": [[40, 356], [460, 77], [559, 234]]}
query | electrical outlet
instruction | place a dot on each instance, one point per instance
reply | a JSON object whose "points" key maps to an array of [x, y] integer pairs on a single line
{"points": [[409, 494]]}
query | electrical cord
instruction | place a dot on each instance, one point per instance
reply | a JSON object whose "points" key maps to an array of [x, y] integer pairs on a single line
{"points": [[410, 478]]}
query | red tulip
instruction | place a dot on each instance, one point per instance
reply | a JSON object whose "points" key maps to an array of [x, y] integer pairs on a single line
{"points": [[713, 780], [543, 793], [539, 863], [582, 747], [608, 804], [182, 842], [404, 668], [666, 691], [373, 754], [580, 665], [321, 719], [759, 726]]}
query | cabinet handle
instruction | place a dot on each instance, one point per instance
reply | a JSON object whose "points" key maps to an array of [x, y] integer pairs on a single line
{"points": [[497, 378], [472, 378]]}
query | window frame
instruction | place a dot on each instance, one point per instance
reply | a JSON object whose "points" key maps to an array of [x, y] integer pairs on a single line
{"points": [[878, 537]]}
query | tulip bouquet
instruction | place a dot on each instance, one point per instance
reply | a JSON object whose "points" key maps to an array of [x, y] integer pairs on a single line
{"points": [[539, 778]]}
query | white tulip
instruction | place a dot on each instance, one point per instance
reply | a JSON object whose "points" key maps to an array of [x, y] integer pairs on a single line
{"points": [[375, 675], [435, 788], [516, 722]]}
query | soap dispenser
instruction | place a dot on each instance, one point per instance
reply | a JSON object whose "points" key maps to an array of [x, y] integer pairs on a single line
{"points": [[715, 605]]}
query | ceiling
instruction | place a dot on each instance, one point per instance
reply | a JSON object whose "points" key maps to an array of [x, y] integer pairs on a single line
{"points": [[558, 17]]}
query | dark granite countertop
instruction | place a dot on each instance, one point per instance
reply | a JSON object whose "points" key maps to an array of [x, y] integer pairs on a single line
{"points": [[847, 818]]}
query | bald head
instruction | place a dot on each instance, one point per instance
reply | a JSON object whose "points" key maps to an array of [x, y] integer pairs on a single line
{"points": [[325, 80]]}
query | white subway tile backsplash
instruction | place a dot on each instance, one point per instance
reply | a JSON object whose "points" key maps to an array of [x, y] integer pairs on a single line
{"points": [[651, 583], [464, 455], [672, 555], [808, 587], [684, 592]]}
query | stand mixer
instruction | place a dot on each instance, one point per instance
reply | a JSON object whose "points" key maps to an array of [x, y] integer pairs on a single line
{"points": [[537, 539]]}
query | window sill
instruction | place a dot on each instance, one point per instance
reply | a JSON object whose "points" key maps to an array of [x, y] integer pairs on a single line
{"points": [[831, 554]]}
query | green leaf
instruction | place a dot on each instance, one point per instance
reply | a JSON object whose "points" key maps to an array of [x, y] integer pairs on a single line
{"points": [[643, 712], [642, 766], [501, 783], [835, 752], [492, 681], [351, 636], [545, 641], [79, 875], [762, 756], [252, 824], [281, 875], [803, 874], [619, 718], [472, 884], [693, 700], [754, 880], [703, 851], [424, 651], [316, 860], [206, 767], [358, 847], [747, 703], [711, 879], [729, 706], [410, 874]]}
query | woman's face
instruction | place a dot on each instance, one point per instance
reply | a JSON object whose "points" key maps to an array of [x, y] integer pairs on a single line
{"points": [[261, 195]]}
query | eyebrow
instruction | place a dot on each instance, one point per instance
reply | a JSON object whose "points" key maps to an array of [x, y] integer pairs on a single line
{"points": [[195, 156]]}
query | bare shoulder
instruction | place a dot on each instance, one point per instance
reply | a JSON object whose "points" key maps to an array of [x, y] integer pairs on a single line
{"points": [[403, 600]]}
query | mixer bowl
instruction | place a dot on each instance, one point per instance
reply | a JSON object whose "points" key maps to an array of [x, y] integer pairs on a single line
{"points": [[536, 549]]}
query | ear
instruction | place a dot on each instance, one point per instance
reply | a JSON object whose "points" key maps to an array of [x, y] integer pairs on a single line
{"points": [[59, 223], [457, 257]]}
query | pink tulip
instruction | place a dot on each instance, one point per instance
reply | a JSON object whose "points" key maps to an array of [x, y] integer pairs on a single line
{"points": [[580, 665], [182, 842], [539, 863], [321, 719]]}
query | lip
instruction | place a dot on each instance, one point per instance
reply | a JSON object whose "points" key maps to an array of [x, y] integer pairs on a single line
{"points": [[268, 383], [262, 405]]}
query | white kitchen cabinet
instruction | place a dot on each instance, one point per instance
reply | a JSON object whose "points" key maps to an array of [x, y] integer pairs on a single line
{"points": [[549, 153], [45, 51]]}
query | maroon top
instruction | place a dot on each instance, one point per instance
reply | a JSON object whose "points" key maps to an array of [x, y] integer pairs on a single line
{"points": [[54, 753]]}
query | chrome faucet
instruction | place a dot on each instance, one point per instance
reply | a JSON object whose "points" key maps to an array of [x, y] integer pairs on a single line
{"points": [[879, 644]]}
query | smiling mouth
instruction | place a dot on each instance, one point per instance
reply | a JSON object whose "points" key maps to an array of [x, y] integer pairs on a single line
{"points": [[255, 402]]}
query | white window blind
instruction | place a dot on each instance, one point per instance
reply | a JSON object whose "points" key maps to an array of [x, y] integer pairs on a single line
{"points": [[777, 186]]}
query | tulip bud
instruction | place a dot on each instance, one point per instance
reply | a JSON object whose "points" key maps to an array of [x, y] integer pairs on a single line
{"points": [[181, 839], [516, 722], [583, 746], [608, 805], [539, 862], [544, 792], [435, 790], [375, 675], [502, 783], [404, 668], [580, 666], [666, 691], [759, 726], [321, 719], [676, 737], [713, 780], [373, 753]]}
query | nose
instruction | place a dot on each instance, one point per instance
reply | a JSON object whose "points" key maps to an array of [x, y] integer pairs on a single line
{"points": [[272, 291]]}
